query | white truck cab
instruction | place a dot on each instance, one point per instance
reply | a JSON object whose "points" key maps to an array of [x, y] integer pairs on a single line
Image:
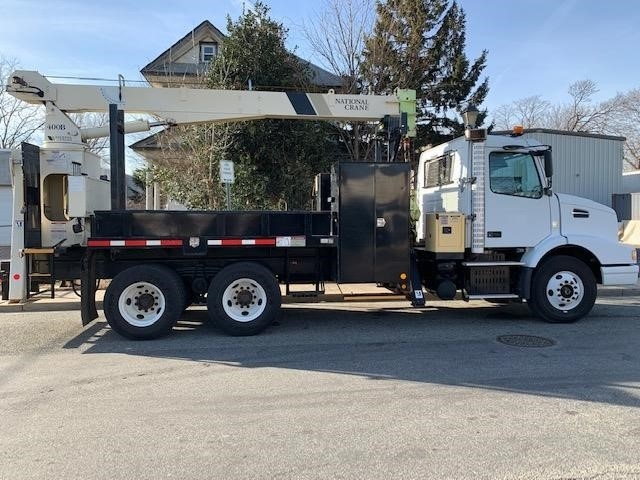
{"points": [[519, 239]]}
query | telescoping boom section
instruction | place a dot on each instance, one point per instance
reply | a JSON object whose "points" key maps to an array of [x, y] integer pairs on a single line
{"points": [[190, 105]]}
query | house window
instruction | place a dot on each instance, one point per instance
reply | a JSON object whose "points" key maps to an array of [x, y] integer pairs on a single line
{"points": [[208, 51]]}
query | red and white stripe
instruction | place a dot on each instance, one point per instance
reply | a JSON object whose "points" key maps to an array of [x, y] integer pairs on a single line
{"points": [[137, 242], [238, 242], [284, 241]]}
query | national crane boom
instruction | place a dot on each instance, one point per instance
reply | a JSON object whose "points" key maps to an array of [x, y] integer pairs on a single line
{"points": [[191, 105]]}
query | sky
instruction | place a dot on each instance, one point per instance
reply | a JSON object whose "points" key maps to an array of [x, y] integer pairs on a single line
{"points": [[535, 47]]}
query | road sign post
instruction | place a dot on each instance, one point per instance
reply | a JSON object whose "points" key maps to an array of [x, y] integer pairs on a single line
{"points": [[227, 176]]}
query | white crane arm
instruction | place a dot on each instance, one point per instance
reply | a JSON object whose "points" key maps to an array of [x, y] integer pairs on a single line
{"points": [[189, 105]]}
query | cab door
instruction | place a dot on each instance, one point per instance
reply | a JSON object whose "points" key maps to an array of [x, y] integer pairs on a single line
{"points": [[517, 212]]}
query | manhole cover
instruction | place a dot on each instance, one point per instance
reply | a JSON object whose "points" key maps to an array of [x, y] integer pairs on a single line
{"points": [[526, 341]]}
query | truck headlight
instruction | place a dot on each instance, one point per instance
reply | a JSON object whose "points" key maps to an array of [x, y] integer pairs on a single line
{"points": [[634, 255]]}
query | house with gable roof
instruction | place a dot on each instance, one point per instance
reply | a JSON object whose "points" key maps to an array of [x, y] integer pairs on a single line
{"points": [[185, 60], [179, 64], [188, 57]]}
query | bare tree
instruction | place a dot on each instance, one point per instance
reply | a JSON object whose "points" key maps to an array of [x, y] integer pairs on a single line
{"points": [[579, 114], [626, 123], [619, 116], [530, 112], [18, 120], [336, 34]]}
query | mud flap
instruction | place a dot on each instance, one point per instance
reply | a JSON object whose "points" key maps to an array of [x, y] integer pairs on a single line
{"points": [[417, 296], [88, 310]]}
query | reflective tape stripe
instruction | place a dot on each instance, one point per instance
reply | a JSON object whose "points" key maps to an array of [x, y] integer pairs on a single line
{"points": [[169, 243], [98, 243], [265, 241], [238, 242], [293, 241], [134, 242]]}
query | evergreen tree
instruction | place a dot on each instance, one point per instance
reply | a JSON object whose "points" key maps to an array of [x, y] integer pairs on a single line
{"points": [[274, 160], [420, 44]]}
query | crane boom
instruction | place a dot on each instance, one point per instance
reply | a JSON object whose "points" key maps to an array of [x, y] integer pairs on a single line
{"points": [[190, 105]]}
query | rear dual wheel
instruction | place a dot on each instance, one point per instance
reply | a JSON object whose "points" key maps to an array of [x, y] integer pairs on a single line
{"points": [[243, 299], [144, 301]]}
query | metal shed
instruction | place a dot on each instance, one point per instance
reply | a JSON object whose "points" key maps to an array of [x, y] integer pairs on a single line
{"points": [[584, 164]]}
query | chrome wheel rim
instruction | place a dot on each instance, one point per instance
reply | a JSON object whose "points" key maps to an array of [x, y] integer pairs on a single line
{"points": [[565, 290], [141, 304], [244, 300]]}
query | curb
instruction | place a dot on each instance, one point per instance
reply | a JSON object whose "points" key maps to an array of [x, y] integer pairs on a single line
{"points": [[619, 292], [61, 306], [43, 307]]}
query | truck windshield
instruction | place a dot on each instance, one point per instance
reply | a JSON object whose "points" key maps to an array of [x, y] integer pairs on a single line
{"points": [[513, 173]]}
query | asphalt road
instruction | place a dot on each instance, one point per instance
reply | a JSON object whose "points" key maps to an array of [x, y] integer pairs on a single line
{"points": [[351, 390]]}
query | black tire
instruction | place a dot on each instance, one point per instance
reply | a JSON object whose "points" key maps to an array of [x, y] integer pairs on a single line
{"points": [[243, 299], [144, 302], [186, 294], [563, 290]]}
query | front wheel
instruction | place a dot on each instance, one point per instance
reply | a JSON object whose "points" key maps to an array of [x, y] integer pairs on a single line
{"points": [[243, 299], [563, 290]]}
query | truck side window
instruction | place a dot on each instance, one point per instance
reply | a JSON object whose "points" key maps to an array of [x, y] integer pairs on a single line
{"points": [[437, 172], [512, 173]]}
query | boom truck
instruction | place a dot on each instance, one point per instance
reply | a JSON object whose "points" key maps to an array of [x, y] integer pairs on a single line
{"points": [[488, 223]]}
